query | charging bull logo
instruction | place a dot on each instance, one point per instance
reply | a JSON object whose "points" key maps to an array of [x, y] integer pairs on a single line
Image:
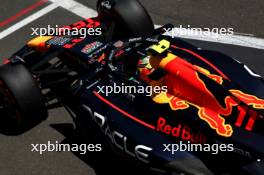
{"points": [[185, 88]]}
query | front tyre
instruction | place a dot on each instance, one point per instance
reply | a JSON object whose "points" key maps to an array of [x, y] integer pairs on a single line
{"points": [[130, 18], [22, 105]]}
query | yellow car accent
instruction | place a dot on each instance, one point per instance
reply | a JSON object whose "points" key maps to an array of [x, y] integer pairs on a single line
{"points": [[36, 42], [161, 47]]}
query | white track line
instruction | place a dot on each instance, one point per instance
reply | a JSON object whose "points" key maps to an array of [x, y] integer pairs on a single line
{"points": [[28, 20], [76, 8], [246, 41]]}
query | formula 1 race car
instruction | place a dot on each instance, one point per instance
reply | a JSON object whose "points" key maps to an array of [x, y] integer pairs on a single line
{"points": [[207, 120]]}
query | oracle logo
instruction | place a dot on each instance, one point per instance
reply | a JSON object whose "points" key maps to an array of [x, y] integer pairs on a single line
{"points": [[121, 141]]}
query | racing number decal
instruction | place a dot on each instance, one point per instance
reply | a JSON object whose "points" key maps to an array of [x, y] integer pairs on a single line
{"points": [[241, 117], [251, 100]]}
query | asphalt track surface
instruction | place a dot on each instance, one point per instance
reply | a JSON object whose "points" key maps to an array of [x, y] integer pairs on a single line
{"points": [[15, 156]]}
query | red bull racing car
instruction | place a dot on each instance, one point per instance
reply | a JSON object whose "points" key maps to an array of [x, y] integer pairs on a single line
{"points": [[205, 118]]}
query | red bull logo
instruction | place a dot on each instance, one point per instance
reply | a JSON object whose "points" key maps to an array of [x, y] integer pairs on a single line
{"points": [[214, 119], [180, 130], [186, 88]]}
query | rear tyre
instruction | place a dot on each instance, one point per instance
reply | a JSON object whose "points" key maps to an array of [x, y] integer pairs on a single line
{"points": [[22, 105], [130, 18]]}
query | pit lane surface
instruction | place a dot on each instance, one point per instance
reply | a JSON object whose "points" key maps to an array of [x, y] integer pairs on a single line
{"points": [[15, 155]]}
